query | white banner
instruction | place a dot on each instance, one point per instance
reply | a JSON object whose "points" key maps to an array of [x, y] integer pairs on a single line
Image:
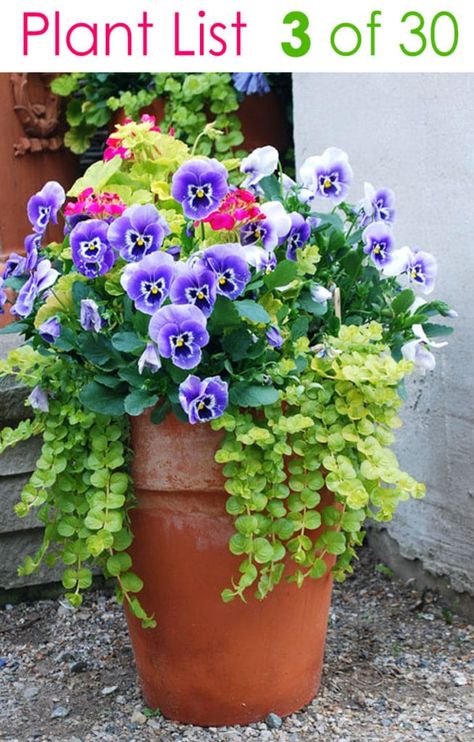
{"points": [[237, 35]]}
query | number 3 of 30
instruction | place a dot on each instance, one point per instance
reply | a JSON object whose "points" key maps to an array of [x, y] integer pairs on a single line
{"points": [[300, 43]]}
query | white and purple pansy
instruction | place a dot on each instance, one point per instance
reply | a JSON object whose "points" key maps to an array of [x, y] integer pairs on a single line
{"points": [[420, 267], [179, 332], [44, 206], [379, 243], [261, 230], [50, 329], [259, 164], [298, 236], [138, 232], [377, 206], [418, 350], [203, 400], [149, 359], [91, 251], [32, 247], [3, 296], [274, 337], [90, 319], [148, 282], [15, 266], [229, 267], [328, 175], [195, 284], [199, 186], [43, 278], [38, 399]]}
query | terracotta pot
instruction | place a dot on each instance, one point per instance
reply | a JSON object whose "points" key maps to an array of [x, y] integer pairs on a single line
{"points": [[211, 663]]}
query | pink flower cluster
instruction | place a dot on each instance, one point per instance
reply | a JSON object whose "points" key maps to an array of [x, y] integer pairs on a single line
{"points": [[97, 205], [237, 208], [114, 142]]}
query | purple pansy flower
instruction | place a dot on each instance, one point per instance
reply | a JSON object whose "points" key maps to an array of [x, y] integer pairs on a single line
{"points": [[15, 266], [203, 400], [379, 243], [250, 83], [259, 164], [377, 206], [298, 236], [138, 232], [418, 351], [195, 285], [148, 282], [91, 251], [38, 399], [328, 175], [180, 333], [3, 296], [43, 207], [32, 247], [42, 279], [199, 185], [259, 231], [422, 269], [90, 318], [230, 269], [274, 337], [50, 330], [149, 359]]}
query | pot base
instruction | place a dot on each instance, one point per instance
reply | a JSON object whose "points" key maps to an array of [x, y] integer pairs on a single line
{"points": [[211, 663]]}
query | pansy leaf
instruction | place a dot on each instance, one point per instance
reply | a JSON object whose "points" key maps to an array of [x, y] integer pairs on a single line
{"points": [[307, 303], [333, 220], [95, 348], [160, 412], [271, 188], [14, 328], [237, 343], [251, 310], [284, 273], [224, 315], [103, 400], [138, 401], [403, 301], [433, 330], [252, 395], [299, 328], [127, 342]]}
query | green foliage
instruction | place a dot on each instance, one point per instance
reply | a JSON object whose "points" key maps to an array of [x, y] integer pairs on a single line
{"points": [[305, 474]]}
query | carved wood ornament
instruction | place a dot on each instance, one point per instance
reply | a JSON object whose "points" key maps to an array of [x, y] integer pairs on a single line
{"points": [[40, 121]]}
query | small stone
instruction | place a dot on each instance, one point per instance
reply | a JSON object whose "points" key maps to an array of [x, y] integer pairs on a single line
{"points": [[138, 717], [30, 692], [77, 667], [59, 712], [154, 724], [273, 721], [108, 690], [459, 678], [121, 700]]}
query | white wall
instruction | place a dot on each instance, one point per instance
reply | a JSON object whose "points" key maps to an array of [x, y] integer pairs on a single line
{"points": [[414, 133]]}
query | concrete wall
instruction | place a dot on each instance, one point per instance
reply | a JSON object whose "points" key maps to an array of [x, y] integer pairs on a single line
{"points": [[414, 133]]}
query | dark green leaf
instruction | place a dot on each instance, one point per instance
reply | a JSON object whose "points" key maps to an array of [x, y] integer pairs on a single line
{"points": [[271, 188], [127, 342], [13, 328], [334, 220], [237, 343], [252, 395], [403, 301], [138, 401], [224, 315], [433, 330], [99, 398], [284, 273], [160, 412], [307, 303], [299, 328], [249, 309]]}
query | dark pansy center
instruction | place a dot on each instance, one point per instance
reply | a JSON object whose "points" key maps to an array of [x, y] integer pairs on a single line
{"points": [[44, 214], [182, 344], [379, 248], [198, 295], [294, 240], [205, 406], [226, 281], [416, 273], [328, 182], [138, 243], [252, 233], [200, 195], [154, 291], [91, 248]]}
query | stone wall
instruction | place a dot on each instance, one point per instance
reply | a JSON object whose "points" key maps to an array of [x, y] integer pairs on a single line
{"points": [[413, 133]]}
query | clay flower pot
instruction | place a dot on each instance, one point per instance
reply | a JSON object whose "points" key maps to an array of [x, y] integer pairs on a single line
{"points": [[211, 663]]}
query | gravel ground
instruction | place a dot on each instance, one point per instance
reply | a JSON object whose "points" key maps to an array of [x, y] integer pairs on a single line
{"points": [[398, 668]]}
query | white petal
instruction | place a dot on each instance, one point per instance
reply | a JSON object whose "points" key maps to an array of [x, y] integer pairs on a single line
{"points": [[276, 214]]}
